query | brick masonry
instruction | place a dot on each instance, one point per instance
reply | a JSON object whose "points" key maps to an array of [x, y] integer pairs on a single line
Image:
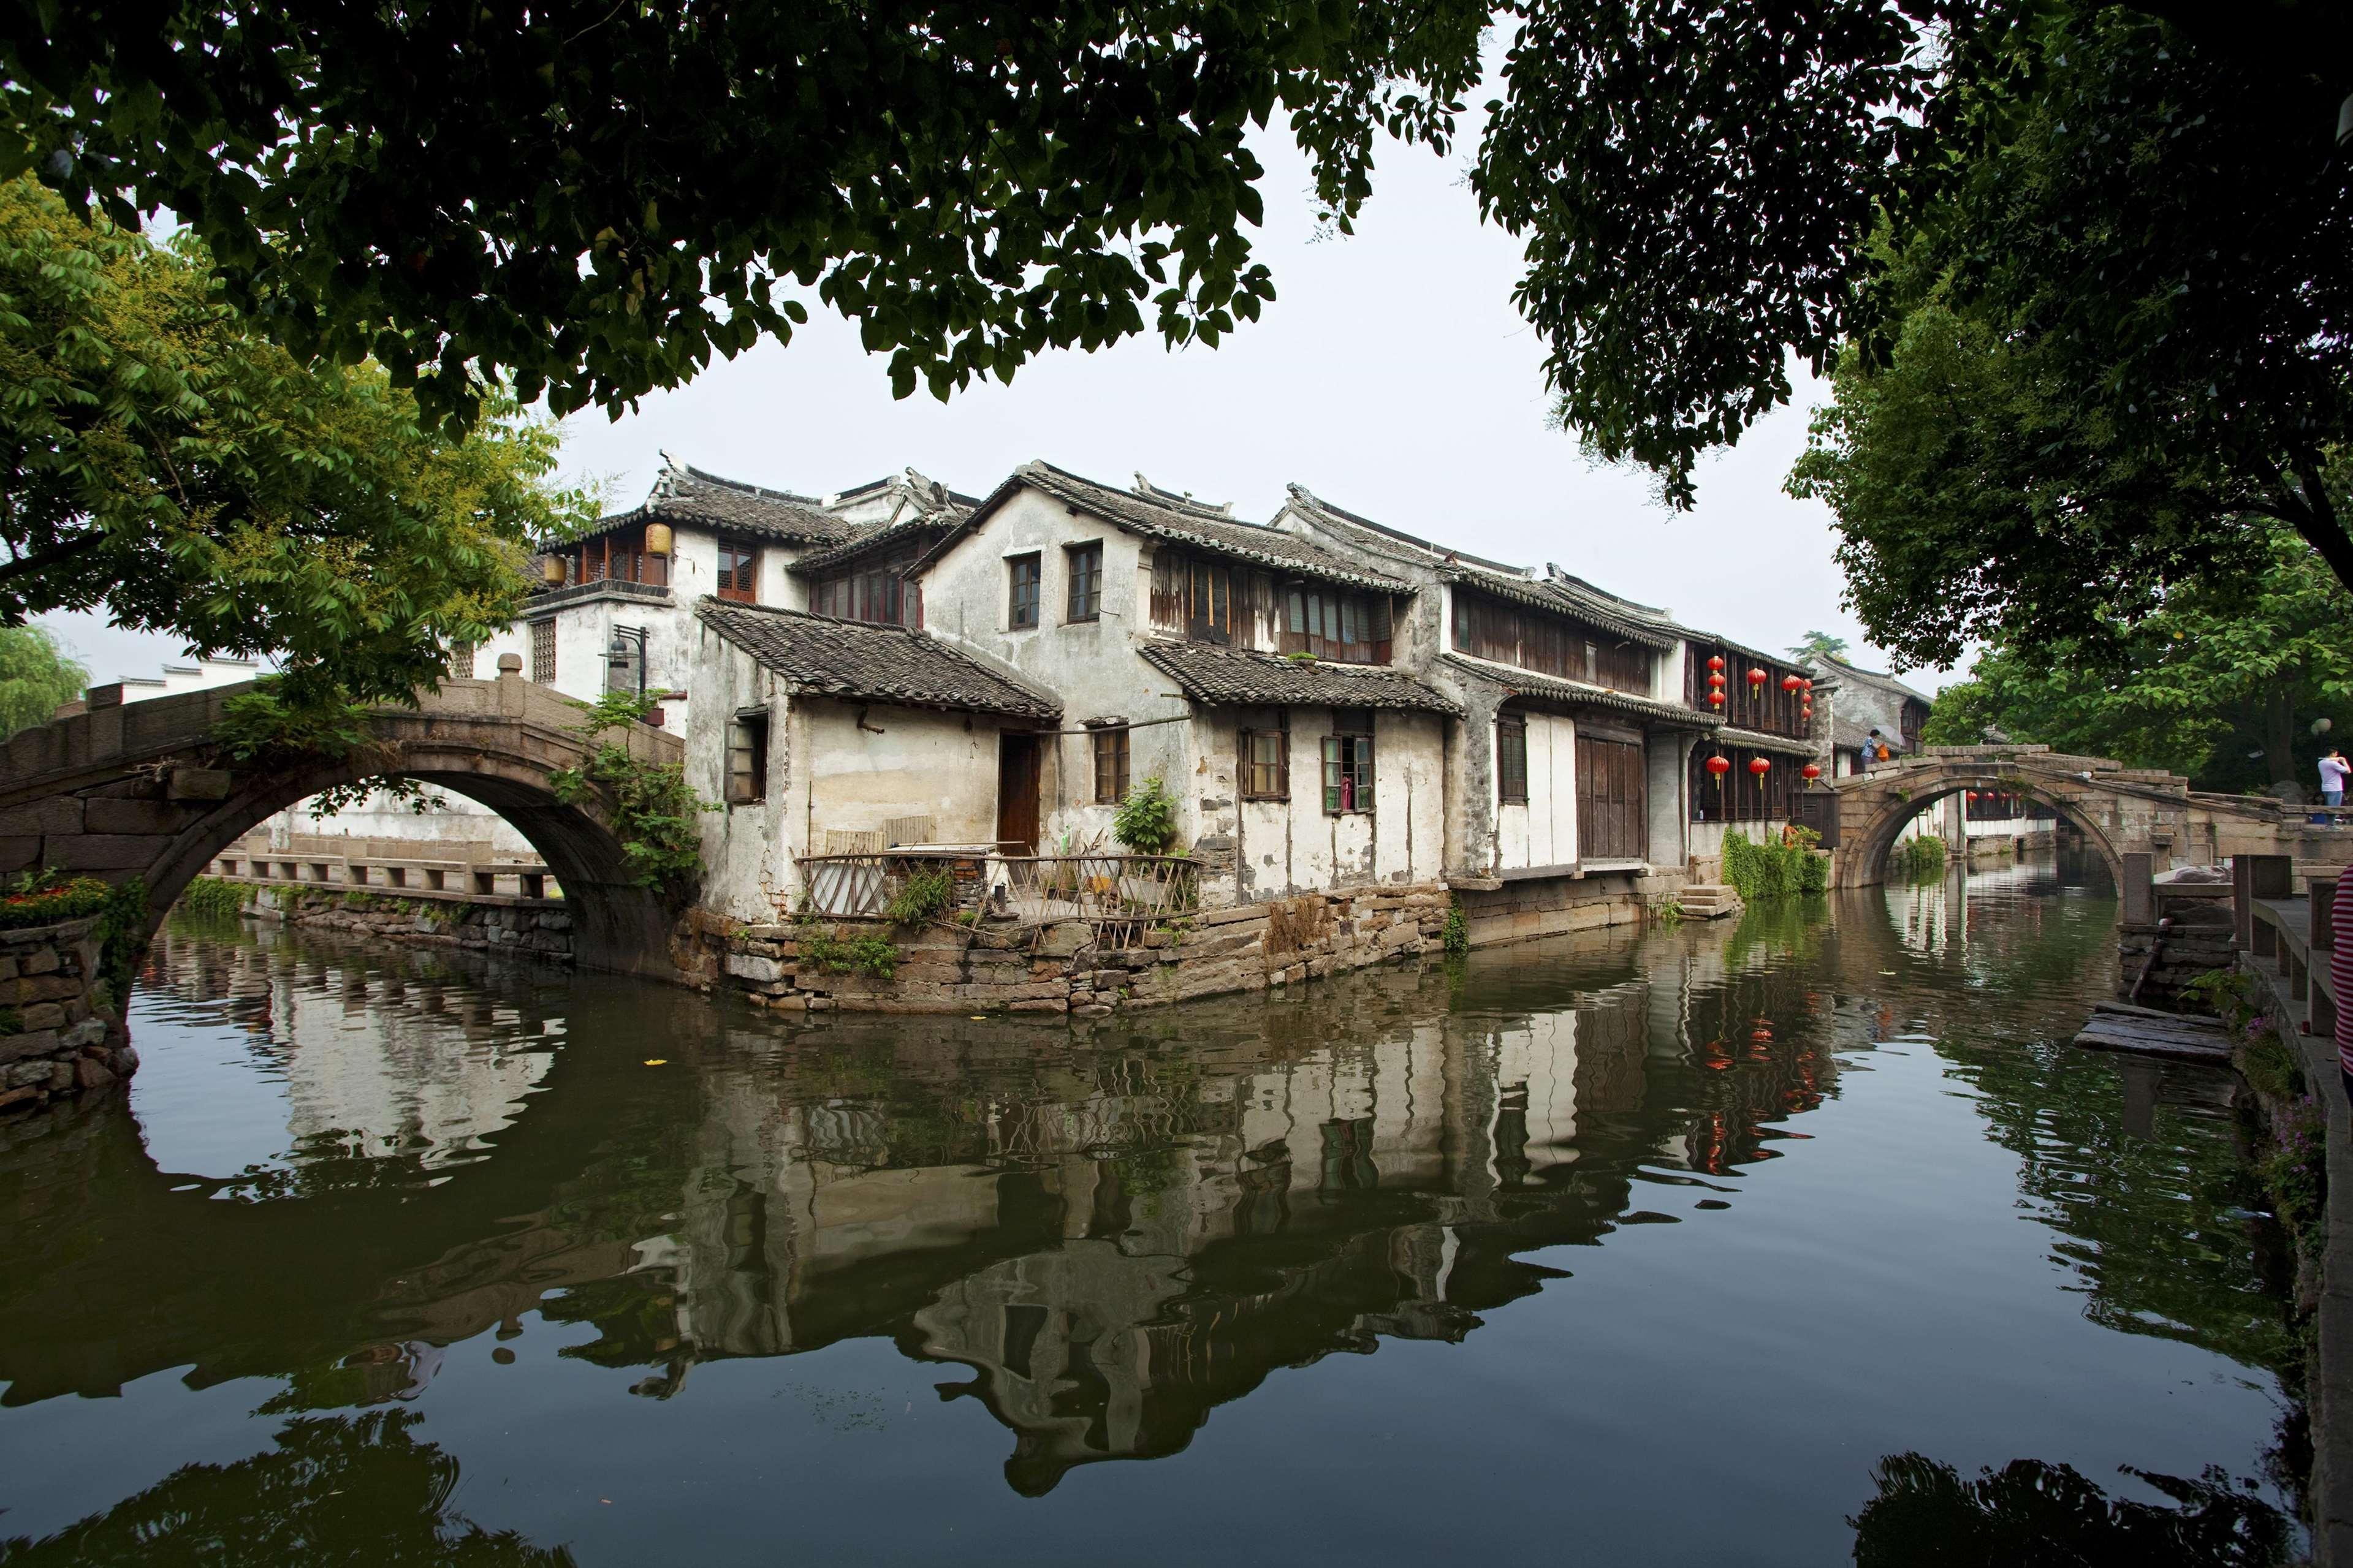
{"points": [[61, 1035]]}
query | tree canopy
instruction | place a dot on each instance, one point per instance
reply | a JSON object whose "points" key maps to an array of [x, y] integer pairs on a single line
{"points": [[2121, 350], [37, 678], [162, 460], [590, 200], [2221, 683]]}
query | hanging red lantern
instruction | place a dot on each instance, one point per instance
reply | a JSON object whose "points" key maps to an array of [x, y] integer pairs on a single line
{"points": [[1719, 764], [1973, 795], [1715, 661], [1717, 698], [1715, 680], [1790, 683], [1810, 772], [1756, 677], [1759, 766], [1807, 684]]}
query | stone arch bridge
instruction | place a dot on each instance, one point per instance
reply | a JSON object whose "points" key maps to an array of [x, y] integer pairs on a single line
{"points": [[144, 789], [2121, 811]]}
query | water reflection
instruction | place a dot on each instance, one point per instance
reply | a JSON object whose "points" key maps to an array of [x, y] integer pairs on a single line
{"points": [[1098, 1239]]}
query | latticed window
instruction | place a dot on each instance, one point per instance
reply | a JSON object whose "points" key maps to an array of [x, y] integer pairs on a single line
{"points": [[1086, 582], [739, 572], [747, 757], [1512, 760], [1110, 766], [1266, 764], [1348, 762], [543, 652], [1021, 593], [461, 661]]}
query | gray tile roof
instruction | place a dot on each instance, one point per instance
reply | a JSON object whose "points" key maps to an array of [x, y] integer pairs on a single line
{"points": [[1759, 740], [1552, 688], [1845, 673], [689, 496], [1177, 522], [920, 531], [1602, 611], [1214, 675], [859, 662], [1306, 502]]}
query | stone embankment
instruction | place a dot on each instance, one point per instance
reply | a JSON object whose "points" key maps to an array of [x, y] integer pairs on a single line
{"points": [[1069, 968], [537, 929], [62, 1036]]}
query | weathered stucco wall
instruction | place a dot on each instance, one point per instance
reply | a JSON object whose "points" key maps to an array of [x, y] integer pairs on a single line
{"points": [[1544, 831], [1258, 849]]}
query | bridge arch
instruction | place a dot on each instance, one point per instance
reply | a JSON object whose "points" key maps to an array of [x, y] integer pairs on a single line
{"points": [[142, 790], [2119, 810]]}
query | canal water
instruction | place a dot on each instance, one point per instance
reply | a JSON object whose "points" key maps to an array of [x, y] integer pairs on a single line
{"points": [[1760, 1242]]}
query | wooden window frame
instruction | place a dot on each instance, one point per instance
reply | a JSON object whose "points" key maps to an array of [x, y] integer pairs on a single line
{"points": [[738, 559], [1511, 759], [1249, 771], [1020, 608], [1083, 565], [1109, 743], [746, 782], [543, 651], [1348, 777]]}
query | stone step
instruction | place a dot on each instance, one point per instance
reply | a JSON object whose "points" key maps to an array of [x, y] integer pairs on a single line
{"points": [[1708, 900]]}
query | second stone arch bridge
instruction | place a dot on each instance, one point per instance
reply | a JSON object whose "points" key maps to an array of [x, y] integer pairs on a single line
{"points": [[147, 790], [2120, 811]]}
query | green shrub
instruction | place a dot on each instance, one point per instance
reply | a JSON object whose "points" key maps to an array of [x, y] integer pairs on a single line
{"points": [[1763, 872], [1456, 935], [830, 951], [1147, 822], [1920, 860], [653, 806], [209, 898], [45, 898], [921, 898], [2294, 1172]]}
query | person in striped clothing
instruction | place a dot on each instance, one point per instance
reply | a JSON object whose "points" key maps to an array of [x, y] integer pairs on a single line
{"points": [[2340, 971]]}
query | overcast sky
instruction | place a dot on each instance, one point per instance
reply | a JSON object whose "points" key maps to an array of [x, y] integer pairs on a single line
{"points": [[1391, 376]]}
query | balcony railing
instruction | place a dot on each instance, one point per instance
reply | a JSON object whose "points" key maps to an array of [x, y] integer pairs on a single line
{"points": [[1121, 896]]}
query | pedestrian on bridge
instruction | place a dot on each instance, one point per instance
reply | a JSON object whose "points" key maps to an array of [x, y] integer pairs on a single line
{"points": [[2333, 768]]}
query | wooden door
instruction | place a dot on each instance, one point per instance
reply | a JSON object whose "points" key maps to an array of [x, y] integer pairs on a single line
{"points": [[1611, 802], [1017, 794]]}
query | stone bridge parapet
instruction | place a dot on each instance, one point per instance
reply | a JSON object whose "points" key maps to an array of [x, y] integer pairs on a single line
{"points": [[147, 790]]}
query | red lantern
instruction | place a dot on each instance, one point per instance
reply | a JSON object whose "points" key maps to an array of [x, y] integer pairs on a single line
{"points": [[1810, 772], [1715, 661], [1719, 764], [1759, 766], [1715, 680], [1717, 698], [1973, 795], [1790, 683], [1807, 684], [1756, 677]]}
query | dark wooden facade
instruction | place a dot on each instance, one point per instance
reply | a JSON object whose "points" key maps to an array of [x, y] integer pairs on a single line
{"points": [[1204, 599], [1612, 799], [1741, 795], [1767, 709], [1527, 637]]}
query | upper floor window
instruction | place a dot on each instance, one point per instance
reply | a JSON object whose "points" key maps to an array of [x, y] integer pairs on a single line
{"points": [[1265, 764], [1021, 573], [1086, 562], [1766, 706], [1530, 638], [1192, 596], [747, 757], [874, 593], [739, 572], [619, 557], [1351, 627]]}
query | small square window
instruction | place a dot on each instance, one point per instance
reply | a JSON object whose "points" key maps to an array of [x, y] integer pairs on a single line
{"points": [[739, 572], [1266, 764], [747, 758], [543, 652], [1022, 600], [1085, 602], [1110, 765]]}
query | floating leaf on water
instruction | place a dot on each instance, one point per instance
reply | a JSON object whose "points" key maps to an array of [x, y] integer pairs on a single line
{"points": [[657, 1061]]}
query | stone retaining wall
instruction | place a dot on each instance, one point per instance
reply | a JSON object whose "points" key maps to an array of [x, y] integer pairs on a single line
{"points": [[62, 1034], [527, 931], [1065, 969], [2200, 938], [1550, 905]]}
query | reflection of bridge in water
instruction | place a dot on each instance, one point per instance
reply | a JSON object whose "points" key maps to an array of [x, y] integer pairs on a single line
{"points": [[1115, 1236]]}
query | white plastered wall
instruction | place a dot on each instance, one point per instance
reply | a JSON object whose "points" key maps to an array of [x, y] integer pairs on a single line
{"points": [[1544, 831]]}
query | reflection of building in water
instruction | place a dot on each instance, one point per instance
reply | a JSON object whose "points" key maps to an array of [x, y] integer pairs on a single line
{"points": [[1116, 1247], [375, 1065]]}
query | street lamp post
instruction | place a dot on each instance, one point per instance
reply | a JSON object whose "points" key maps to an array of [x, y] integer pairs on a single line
{"points": [[617, 652]]}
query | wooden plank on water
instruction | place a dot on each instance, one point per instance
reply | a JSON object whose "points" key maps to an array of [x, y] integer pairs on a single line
{"points": [[2115, 1026]]}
